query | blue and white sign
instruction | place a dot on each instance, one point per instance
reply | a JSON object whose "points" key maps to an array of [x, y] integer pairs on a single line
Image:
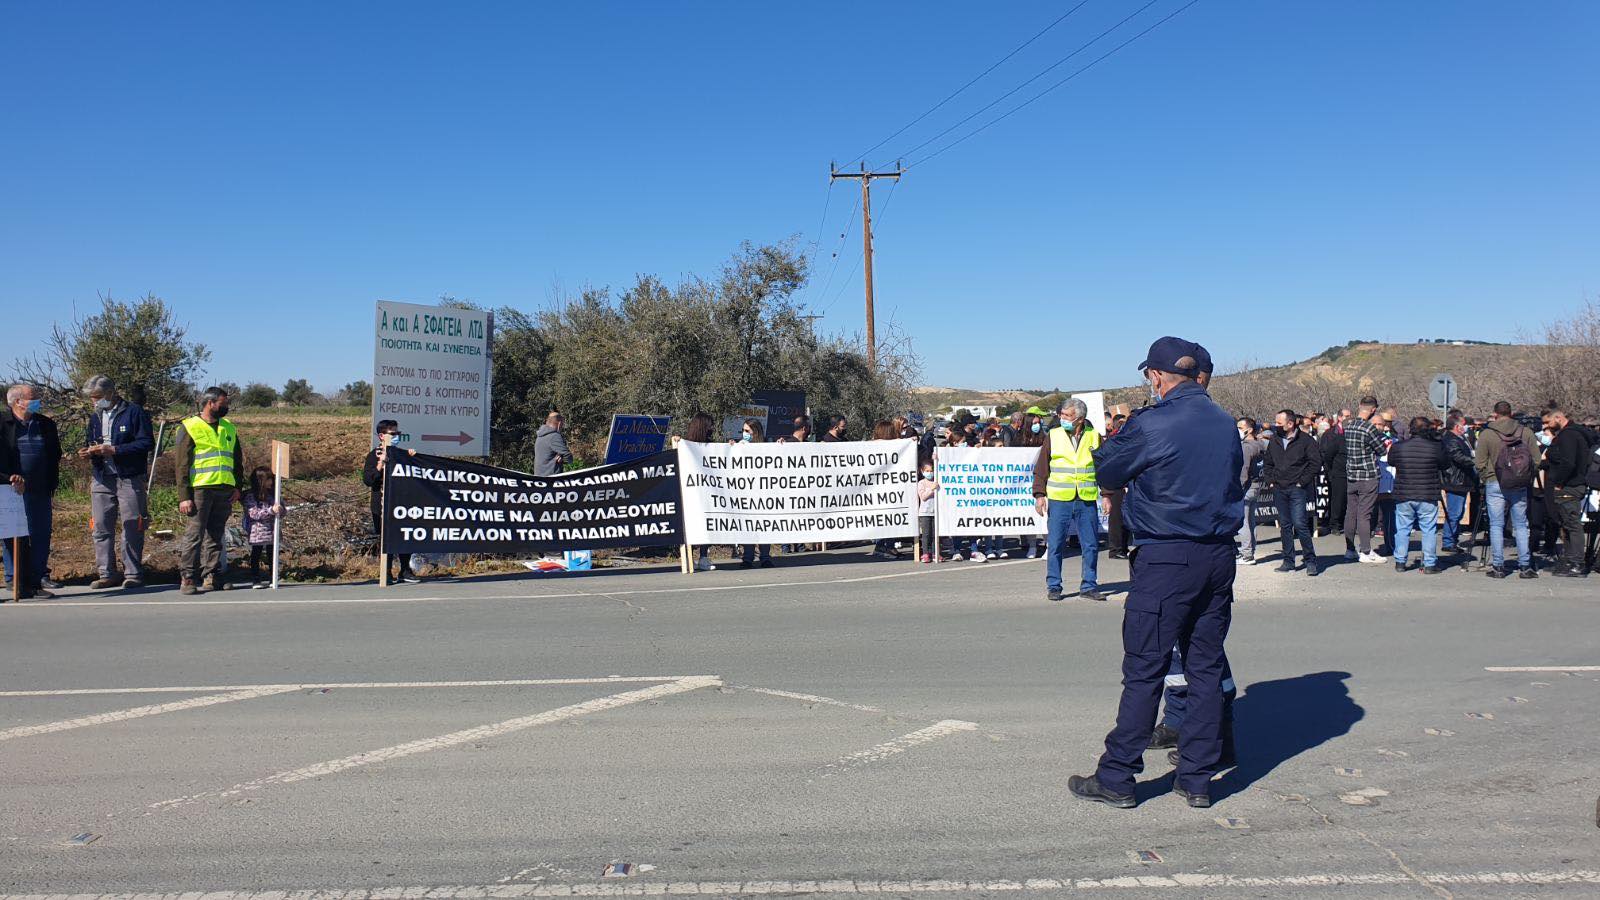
{"points": [[633, 437]]}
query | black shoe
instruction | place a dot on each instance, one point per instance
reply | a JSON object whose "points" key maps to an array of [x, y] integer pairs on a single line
{"points": [[1285, 566], [746, 564], [1527, 573], [1163, 737], [132, 584], [1430, 570], [408, 578], [50, 584], [1054, 594], [1227, 761], [767, 564], [1499, 573], [1118, 554], [40, 593], [1092, 594], [1401, 567], [1311, 566], [1198, 801], [1566, 571], [1088, 788]]}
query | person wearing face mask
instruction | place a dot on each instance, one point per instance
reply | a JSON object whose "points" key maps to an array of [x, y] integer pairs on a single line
{"points": [[1033, 435], [210, 468], [34, 442], [1180, 461], [117, 444], [1254, 450], [1565, 464], [1066, 494], [1293, 460]]}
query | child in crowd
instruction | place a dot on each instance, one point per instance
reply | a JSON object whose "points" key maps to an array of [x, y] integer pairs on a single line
{"points": [[926, 487], [259, 514], [993, 546]]}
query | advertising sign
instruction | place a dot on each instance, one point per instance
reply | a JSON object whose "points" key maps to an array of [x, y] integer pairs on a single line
{"points": [[634, 436], [431, 375], [782, 407]]}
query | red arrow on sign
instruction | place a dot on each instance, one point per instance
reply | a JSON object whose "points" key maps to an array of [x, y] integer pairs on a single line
{"points": [[462, 438]]}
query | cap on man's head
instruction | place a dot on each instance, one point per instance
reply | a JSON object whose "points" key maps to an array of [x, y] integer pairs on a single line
{"points": [[1175, 355], [1202, 360]]}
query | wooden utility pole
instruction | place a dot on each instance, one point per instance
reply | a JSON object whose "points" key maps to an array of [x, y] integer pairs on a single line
{"points": [[866, 242]]}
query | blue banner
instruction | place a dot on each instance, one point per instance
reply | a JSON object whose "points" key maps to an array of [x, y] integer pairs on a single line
{"points": [[633, 437]]}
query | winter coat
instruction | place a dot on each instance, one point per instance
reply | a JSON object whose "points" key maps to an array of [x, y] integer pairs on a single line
{"points": [[550, 451], [1294, 465], [1419, 462], [1461, 475], [1493, 440]]}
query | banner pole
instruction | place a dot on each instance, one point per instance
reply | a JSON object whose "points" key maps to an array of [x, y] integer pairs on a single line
{"points": [[686, 559], [16, 569], [383, 524], [277, 526], [936, 557]]}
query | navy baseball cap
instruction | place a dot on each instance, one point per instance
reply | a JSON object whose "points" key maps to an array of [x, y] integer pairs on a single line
{"points": [[1202, 360], [1175, 355]]}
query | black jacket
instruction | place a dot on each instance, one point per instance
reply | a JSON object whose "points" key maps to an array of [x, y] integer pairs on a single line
{"points": [[1419, 462], [1296, 464], [1461, 474], [1333, 455], [1567, 460], [11, 460]]}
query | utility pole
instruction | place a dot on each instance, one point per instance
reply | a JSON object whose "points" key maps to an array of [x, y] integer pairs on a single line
{"points": [[866, 242]]}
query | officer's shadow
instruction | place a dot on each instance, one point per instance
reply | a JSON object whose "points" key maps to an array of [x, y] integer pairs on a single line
{"points": [[1275, 721]]}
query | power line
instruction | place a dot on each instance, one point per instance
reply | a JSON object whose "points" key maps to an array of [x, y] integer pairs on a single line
{"points": [[979, 77], [1045, 71], [843, 235], [849, 279], [1019, 107]]}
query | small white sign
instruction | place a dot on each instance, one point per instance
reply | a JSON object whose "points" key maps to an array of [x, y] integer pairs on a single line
{"points": [[431, 375], [13, 515]]}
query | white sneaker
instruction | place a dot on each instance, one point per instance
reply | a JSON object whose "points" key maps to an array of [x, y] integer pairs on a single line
{"points": [[979, 557], [956, 557], [996, 555], [1372, 558], [1033, 553]]}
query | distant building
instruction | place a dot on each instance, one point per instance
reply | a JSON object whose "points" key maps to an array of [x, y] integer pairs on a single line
{"points": [[978, 412]]}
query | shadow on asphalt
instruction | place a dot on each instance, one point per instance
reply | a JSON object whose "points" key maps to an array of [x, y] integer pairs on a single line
{"points": [[1275, 721]]}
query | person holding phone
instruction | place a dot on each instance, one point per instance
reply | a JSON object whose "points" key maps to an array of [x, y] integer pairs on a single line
{"points": [[372, 477]]}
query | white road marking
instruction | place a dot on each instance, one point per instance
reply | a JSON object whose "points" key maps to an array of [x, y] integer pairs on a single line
{"points": [[806, 698], [352, 685], [903, 743], [68, 603], [848, 886], [482, 732], [1541, 668], [139, 712]]}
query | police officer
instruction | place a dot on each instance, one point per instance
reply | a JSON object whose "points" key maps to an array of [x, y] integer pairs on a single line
{"points": [[1180, 461]]}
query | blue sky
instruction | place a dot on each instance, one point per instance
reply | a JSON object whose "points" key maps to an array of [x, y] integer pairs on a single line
{"points": [[1266, 177]]}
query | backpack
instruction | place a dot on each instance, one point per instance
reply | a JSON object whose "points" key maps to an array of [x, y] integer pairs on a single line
{"points": [[1513, 468]]}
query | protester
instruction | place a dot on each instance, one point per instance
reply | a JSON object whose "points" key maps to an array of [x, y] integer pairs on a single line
{"points": [[550, 452], [372, 476], [1065, 492], [261, 510], [210, 469], [32, 439], [1362, 446], [701, 430], [1293, 460], [1386, 502], [1505, 462], [926, 489], [753, 432], [1250, 476], [1460, 479], [994, 546], [11, 474], [1419, 462], [1033, 436], [799, 432], [117, 444], [1565, 465], [1015, 429], [1334, 462], [835, 432]]}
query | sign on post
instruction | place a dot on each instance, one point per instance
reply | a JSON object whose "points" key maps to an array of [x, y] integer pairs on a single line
{"points": [[733, 426], [278, 451], [1442, 392], [633, 437], [431, 375]]}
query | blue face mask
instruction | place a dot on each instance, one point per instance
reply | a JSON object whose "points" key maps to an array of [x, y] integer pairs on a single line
{"points": [[1037, 428], [745, 437], [34, 406]]}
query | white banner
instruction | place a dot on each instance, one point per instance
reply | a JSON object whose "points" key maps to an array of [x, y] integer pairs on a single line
{"points": [[431, 375], [986, 491], [798, 493]]}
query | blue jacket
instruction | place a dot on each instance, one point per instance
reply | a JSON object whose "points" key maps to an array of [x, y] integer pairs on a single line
{"points": [[1180, 462], [131, 435]]}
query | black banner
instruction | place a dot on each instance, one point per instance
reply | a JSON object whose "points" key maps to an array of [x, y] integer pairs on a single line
{"points": [[433, 504]]}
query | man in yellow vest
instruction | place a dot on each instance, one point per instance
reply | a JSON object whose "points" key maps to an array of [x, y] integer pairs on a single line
{"points": [[1067, 495], [210, 468]]}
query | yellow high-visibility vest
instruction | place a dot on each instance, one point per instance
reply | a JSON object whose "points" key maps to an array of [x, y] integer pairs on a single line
{"points": [[1072, 469], [213, 452]]}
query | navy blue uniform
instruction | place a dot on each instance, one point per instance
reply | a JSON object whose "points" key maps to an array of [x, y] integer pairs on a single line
{"points": [[1180, 462]]}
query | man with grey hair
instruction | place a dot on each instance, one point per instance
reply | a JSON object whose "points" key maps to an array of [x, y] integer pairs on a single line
{"points": [[1066, 494], [32, 440], [118, 446]]}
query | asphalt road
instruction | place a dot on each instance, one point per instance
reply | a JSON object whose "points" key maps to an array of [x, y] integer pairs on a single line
{"points": [[832, 726]]}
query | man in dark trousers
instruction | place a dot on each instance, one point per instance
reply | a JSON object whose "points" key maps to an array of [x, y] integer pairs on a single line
{"points": [[1180, 462], [1293, 461], [372, 476], [33, 437], [1333, 463], [1565, 465], [209, 469]]}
